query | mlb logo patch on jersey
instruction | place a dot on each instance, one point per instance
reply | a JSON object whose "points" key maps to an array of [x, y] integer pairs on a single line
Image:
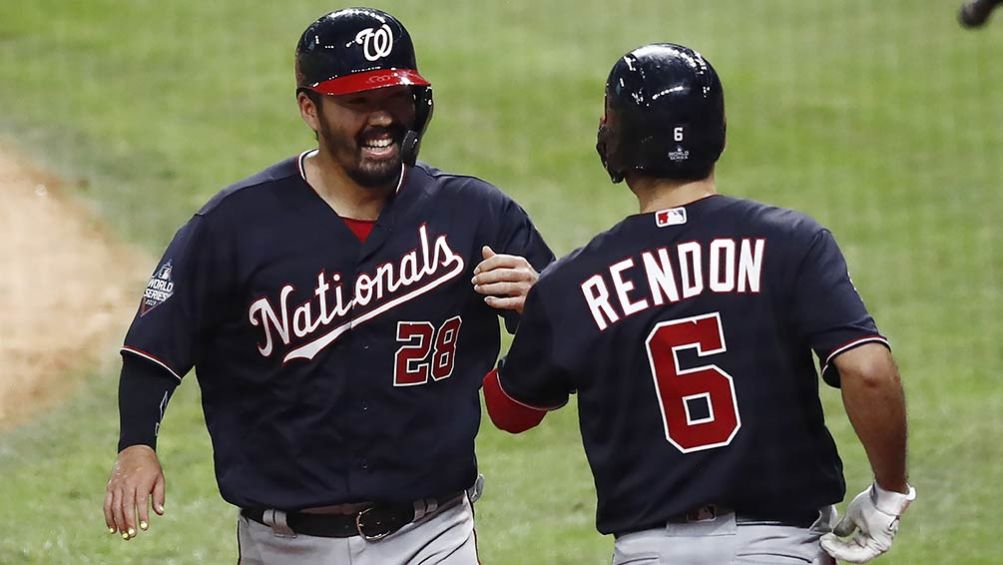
{"points": [[158, 290], [670, 217]]}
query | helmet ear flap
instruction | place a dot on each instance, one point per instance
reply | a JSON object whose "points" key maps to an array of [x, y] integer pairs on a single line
{"points": [[607, 144], [606, 138], [410, 147], [423, 108]]}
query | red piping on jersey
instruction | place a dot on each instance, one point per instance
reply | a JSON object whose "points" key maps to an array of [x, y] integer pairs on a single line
{"points": [[151, 357], [852, 345], [506, 412]]}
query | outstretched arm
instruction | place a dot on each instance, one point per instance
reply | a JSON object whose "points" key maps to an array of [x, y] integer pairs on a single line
{"points": [[529, 380], [504, 280], [506, 412]]}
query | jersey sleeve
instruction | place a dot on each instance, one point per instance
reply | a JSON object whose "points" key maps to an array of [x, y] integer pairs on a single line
{"points": [[516, 235], [531, 374], [181, 300], [828, 313]]}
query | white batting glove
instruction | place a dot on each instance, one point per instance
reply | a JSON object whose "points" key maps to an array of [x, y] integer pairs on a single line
{"points": [[873, 520]]}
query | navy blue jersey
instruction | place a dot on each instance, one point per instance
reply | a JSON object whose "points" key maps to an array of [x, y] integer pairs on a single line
{"points": [[688, 336], [334, 370]]}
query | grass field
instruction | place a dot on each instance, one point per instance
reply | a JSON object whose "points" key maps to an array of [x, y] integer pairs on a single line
{"points": [[884, 120]]}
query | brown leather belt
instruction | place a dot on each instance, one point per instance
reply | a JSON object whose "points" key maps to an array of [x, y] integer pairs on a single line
{"points": [[372, 522]]}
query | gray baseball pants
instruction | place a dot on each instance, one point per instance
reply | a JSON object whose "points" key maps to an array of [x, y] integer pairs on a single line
{"points": [[446, 538], [725, 541]]}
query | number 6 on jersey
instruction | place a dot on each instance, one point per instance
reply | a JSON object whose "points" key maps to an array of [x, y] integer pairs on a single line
{"points": [[698, 404]]}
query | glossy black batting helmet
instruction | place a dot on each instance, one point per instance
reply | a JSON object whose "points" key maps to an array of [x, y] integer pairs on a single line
{"points": [[664, 114], [358, 49]]}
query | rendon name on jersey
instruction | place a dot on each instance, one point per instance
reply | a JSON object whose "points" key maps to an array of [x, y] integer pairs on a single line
{"points": [[687, 334], [334, 370]]}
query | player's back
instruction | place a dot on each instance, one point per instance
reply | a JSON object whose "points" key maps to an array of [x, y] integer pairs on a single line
{"points": [[687, 334]]}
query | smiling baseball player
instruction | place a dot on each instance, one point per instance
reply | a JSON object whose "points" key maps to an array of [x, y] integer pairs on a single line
{"points": [[327, 308]]}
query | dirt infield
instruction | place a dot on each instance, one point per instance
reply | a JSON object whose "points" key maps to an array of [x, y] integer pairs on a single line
{"points": [[67, 290]]}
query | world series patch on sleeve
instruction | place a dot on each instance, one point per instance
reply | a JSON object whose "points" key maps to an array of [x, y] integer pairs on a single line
{"points": [[158, 290]]}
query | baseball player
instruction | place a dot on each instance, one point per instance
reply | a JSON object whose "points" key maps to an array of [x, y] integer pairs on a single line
{"points": [[327, 308], [976, 13], [687, 332]]}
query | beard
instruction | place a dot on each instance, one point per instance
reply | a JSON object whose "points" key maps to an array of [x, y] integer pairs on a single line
{"points": [[366, 172]]}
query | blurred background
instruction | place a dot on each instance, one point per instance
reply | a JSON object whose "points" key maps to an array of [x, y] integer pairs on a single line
{"points": [[883, 120]]}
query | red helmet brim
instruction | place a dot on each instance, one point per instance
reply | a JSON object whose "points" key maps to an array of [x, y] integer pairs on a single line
{"points": [[370, 80]]}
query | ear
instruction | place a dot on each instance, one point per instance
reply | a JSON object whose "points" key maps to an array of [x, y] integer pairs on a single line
{"points": [[308, 110]]}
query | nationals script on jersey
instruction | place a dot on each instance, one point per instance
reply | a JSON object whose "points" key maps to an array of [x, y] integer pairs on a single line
{"points": [[688, 336], [330, 348], [329, 314]]}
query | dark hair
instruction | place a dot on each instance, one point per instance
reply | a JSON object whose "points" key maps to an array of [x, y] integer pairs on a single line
{"points": [[313, 95]]}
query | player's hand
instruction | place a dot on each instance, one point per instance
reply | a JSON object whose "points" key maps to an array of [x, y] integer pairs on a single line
{"points": [[136, 477], [870, 525], [504, 280]]}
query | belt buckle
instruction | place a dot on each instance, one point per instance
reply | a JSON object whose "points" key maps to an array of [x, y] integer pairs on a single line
{"points": [[361, 527]]}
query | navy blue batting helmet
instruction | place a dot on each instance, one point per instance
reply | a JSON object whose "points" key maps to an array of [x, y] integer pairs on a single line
{"points": [[358, 49], [664, 114]]}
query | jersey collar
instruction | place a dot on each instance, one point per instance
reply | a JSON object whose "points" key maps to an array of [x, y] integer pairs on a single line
{"points": [[301, 161]]}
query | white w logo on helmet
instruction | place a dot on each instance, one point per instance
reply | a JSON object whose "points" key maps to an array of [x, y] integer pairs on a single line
{"points": [[376, 44]]}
